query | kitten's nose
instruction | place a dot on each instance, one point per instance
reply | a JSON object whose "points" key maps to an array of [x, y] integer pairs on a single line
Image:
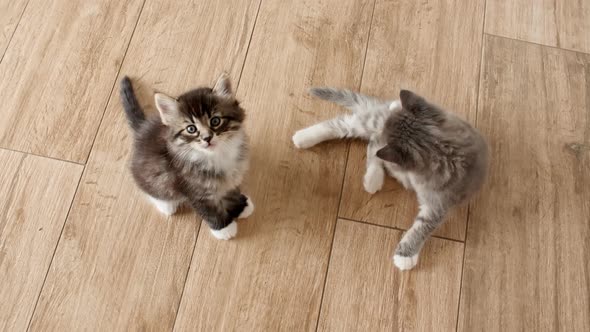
{"points": [[208, 139]]}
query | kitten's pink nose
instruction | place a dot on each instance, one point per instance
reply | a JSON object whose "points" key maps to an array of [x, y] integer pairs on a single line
{"points": [[208, 139]]}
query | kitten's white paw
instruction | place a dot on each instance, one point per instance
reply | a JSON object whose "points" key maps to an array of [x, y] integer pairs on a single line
{"points": [[248, 210], [226, 233], [373, 179], [405, 263], [167, 208], [396, 104], [372, 182], [304, 138]]}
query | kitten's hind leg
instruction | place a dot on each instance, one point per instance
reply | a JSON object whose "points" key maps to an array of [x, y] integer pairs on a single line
{"points": [[231, 230], [375, 174], [345, 126], [167, 208], [220, 215], [408, 249]]}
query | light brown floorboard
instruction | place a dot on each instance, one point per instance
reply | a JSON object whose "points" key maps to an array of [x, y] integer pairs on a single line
{"points": [[120, 265], [365, 292], [57, 74], [271, 276], [432, 48], [10, 13], [35, 196], [564, 24], [528, 244]]}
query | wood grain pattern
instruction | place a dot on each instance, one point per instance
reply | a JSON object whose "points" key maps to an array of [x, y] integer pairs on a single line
{"points": [[564, 24], [271, 277], [528, 248], [365, 292], [120, 264], [10, 13], [57, 74], [35, 196], [432, 48]]}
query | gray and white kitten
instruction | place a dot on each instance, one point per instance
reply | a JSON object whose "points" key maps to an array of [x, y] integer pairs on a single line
{"points": [[435, 153], [195, 151]]}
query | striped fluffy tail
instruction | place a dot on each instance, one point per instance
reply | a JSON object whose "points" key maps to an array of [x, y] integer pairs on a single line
{"points": [[135, 115], [346, 98]]}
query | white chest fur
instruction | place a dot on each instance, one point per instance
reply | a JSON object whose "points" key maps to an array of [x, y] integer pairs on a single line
{"points": [[227, 158]]}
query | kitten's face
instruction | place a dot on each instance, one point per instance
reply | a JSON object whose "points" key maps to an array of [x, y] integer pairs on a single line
{"points": [[204, 119]]}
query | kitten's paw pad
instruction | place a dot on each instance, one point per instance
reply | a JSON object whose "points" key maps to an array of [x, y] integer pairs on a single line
{"points": [[373, 182], [248, 210], [404, 262], [303, 139], [226, 233]]}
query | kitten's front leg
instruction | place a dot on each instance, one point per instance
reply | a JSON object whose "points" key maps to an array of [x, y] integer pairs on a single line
{"points": [[248, 210], [219, 218], [375, 174], [238, 205], [408, 249], [373, 179]]}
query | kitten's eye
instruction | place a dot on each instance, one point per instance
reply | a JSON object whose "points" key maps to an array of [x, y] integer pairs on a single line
{"points": [[191, 129], [215, 121]]}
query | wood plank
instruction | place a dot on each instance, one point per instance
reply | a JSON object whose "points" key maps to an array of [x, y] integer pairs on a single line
{"points": [[365, 292], [120, 264], [10, 13], [528, 248], [564, 24], [35, 196], [56, 77], [432, 48], [270, 278]]}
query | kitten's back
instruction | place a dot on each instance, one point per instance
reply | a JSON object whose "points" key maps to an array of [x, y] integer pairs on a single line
{"points": [[443, 149]]}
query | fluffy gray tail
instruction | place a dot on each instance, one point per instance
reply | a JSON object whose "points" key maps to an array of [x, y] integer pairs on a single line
{"points": [[135, 115], [346, 98]]}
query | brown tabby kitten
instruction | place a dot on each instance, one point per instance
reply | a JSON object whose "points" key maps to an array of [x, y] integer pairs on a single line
{"points": [[195, 151], [431, 151]]}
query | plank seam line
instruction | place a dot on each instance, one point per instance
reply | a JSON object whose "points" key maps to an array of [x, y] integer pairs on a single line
{"points": [[63, 226], [393, 228], [470, 206], [317, 325], [115, 83], [42, 156], [535, 43], [248, 47], [81, 176], [14, 31], [201, 225]]}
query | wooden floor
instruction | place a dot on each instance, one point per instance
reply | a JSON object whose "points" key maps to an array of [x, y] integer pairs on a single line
{"points": [[81, 249]]}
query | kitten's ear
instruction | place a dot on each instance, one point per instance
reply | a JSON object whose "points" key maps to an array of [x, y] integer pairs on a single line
{"points": [[397, 155], [222, 87], [411, 101], [168, 108]]}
